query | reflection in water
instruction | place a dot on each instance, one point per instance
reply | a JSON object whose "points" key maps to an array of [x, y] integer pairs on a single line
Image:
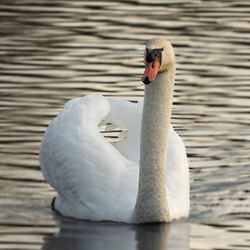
{"points": [[75, 235]]}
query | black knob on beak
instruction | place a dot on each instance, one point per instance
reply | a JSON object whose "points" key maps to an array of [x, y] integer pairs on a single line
{"points": [[146, 81]]}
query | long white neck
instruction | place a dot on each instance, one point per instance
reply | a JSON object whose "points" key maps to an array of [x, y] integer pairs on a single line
{"points": [[151, 203]]}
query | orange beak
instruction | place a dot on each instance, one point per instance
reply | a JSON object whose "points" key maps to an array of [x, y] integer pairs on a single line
{"points": [[151, 70]]}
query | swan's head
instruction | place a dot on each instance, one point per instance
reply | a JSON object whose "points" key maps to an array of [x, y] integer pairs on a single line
{"points": [[158, 57]]}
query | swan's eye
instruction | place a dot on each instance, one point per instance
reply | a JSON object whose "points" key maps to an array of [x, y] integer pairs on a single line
{"points": [[153, 63]]}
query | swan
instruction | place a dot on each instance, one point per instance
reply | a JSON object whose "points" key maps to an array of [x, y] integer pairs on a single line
{"points": [[141, 179]]}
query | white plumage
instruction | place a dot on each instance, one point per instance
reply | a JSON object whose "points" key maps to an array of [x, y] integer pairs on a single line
{"points": [[96, 180]]}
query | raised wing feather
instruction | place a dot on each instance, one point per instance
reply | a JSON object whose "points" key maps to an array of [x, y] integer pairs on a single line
{"points": [[84, 168]]}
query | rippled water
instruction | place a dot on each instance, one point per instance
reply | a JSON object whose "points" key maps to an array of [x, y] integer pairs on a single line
{"points": [[55, 50]]}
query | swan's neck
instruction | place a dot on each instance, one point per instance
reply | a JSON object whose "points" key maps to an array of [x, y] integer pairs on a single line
{"points": [[151, 203]]}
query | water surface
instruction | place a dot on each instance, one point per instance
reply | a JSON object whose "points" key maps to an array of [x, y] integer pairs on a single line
{"points": [[53, 51]]}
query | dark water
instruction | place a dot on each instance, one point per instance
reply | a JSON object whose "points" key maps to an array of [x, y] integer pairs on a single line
{"points": [[53, 50]]}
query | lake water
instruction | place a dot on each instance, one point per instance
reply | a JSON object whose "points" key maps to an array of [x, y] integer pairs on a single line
{"points": [[54, 50]]}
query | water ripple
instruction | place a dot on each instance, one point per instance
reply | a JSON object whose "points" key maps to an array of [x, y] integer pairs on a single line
{"points": [[52, 51]]}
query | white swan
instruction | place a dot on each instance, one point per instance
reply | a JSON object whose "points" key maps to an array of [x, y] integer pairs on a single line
{"points": [[98, 181]]}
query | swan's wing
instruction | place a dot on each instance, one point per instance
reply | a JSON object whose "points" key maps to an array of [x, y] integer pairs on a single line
{"points": [[127, 115], [90, 175], [177, 176], [57, 142]]}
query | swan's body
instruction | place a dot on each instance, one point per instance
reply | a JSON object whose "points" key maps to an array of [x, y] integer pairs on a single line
{"points": [[96, 180]]}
